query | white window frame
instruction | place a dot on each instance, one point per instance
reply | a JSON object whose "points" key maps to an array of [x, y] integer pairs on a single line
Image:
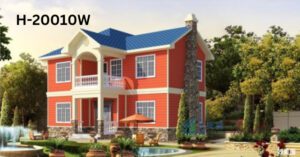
{"points": [[56, 115], [201, 106], [110, 70], [201, 72], [154, 108], [136, 66], [56, 72]]}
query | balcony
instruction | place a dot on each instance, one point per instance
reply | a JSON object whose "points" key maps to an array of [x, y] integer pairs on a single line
{"points": [[92, 81]]}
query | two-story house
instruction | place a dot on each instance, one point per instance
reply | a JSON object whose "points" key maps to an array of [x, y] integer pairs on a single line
{"points": [[101, 77]]}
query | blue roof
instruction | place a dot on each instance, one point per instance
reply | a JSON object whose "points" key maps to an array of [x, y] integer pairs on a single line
{"points": [[52, 53], [125, 41]]}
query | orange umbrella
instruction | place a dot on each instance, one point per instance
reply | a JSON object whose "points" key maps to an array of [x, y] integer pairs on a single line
{"points": [[136, 118]]}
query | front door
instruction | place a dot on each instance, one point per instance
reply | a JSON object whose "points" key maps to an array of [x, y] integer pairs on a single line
{"points": [[107, 111]]}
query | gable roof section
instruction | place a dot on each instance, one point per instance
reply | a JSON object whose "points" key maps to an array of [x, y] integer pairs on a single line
{"points": [[124, 41], [53, 53], [152, 39]]}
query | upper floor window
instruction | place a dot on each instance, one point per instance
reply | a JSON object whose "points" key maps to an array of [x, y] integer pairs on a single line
{"points": [[63, 72], [116, 68], [145, 66], [146, 108], [199, 70], [63, 112]]}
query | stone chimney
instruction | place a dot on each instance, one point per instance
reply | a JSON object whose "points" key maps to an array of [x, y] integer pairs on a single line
{"points": [[191, 21], [191, 83]]}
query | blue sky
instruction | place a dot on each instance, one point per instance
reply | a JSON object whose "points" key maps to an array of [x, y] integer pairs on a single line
{"points": [[140, 16]]}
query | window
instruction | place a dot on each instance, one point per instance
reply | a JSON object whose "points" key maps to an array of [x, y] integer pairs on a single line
{"points": [[145, 66], [63, 112], [201, 112], [146, 108], [116, 68], [63, 72], [199, 70]]}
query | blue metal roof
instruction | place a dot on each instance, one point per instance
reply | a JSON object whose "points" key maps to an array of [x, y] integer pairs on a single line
{"points": [[125, 41], [52, 53]]}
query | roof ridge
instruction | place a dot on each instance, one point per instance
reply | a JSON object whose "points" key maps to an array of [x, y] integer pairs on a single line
{"points": [[159, 31]]}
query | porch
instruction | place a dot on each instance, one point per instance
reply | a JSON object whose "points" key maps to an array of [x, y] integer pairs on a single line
{"points": [[92, 115]]}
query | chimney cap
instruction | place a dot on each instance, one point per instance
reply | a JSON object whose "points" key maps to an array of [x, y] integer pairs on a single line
{"points": [[191, 17]]}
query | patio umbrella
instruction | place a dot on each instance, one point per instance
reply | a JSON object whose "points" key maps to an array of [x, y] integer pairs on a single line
{"points": [[136, 118]]}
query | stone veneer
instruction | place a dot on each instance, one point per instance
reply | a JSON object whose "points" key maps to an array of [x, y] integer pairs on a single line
{"points": [[56, 131], [167, 134]]}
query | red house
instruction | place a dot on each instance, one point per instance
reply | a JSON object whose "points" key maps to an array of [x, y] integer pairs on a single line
{"points": [[99, 78]]}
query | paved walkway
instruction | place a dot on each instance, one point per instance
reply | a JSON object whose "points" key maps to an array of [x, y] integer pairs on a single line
{"points": [[218, 150]]}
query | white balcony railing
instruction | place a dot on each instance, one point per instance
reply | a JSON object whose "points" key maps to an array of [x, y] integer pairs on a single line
{"points": [[113, 82], [86, 80], [92, 80]]}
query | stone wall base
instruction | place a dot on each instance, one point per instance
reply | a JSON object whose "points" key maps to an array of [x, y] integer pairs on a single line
{"points": [[166, 134], [56, 131]]}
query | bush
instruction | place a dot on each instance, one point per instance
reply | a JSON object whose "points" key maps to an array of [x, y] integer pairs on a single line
{"points": [[184, 138], [69, 146], [250, 137], [290, 135]]}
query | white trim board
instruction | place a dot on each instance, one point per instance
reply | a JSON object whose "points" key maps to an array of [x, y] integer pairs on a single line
{"points": [[95, 92]]}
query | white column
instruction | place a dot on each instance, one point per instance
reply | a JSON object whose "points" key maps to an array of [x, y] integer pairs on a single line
{"points": [[100, 107], [74, 66], [74, 117], [100, 62]]}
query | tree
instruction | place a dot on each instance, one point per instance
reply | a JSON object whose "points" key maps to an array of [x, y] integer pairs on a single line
{"points": [[25, 82], [4, 40], [256, 125], [248, 110], [226, 52], [17, 118], [5, 119], [182, 118], [268, 120]]}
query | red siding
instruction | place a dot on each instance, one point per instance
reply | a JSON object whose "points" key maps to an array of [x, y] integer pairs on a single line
{"points": [[177, 65], [52, 85], [160, 79], [160, 107], [173, 109], [89, 67], [52, 110], [121, 108]]}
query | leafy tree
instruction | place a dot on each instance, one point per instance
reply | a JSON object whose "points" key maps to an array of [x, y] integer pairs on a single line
{"points": [[4, 40], [256, 125], [182, 118], [248, 116], [25, 82], [268, 119], [5, 119], [226, 51], [17, 118]]}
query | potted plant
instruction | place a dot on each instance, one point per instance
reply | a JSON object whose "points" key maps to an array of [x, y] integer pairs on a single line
{"points": [[185, 141], [96, 150], [128, 147], [114, 147], [93, 136], [199, 141], [57, 150]]}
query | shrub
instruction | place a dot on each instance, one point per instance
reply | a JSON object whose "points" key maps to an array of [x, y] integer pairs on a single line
{"points": [[200, 137], [17, 117], [290, 135], [247, 125], [184, 138], [5, 118], [250, 138], [182, 117]]}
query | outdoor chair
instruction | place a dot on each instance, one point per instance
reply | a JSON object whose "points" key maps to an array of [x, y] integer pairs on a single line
{"points": [[154, 141]]}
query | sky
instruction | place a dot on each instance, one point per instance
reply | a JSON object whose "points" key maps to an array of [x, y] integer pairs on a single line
{"points": [[141, 16]]}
